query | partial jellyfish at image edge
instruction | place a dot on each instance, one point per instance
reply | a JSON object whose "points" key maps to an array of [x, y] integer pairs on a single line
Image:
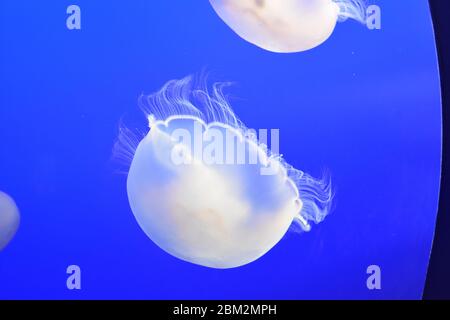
{"points": [[9, 219], [288, 26]]}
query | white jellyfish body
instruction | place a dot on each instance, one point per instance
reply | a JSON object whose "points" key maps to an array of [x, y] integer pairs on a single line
{"points": [[203, 205], [9, 219], [287, 25]]}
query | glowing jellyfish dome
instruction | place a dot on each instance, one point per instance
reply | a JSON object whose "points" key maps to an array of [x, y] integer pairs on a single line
{"points": [[9, 219], [202, 186], [287, 25]]}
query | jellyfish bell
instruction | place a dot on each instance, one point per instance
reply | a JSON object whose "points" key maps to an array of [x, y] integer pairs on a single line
{"points": [[216, 212], [9, 219], [280, 25], [216, 215], [287, 26]]}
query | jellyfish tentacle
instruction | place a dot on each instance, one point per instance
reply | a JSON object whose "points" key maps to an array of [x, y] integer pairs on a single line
{"points": [[125, 146], [316, 196], [353, 9]]}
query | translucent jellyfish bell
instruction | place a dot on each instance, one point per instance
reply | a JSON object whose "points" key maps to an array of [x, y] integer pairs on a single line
{"points": [[287, 25], [9, 219], [195, 196]]}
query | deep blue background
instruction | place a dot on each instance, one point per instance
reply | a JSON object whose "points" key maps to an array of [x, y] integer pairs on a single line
{"points": [[438, 278], [365, 105]]}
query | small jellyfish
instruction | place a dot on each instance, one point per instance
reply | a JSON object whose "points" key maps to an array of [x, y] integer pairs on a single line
{"points": [[287, 25], [195, 195], [9, 219]]}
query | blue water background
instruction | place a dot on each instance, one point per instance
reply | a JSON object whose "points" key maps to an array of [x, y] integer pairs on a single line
{"points": [[365, 105]]}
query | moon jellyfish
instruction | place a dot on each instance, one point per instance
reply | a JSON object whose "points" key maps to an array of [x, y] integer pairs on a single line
{"points": [[287, 25], [9, 219], [193, 195]]}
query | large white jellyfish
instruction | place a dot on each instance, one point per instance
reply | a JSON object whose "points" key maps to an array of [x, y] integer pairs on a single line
{"points": [[287, 25], [9, 219], [194, 193]]}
